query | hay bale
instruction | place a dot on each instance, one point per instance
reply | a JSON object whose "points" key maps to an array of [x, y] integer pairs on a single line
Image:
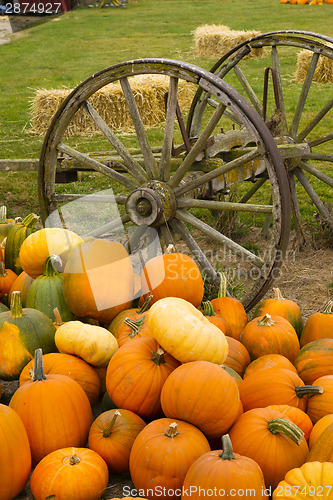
{"points": [[109, 102], [323, 72], [215, 40]]}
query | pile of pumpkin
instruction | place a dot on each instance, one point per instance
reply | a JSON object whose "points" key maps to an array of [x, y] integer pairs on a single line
{"points": [[197, 399]]}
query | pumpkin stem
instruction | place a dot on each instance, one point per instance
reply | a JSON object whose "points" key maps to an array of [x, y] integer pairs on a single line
{"points": [[172, 431], [108, 430], [223, 285], [30, 220], [266, 320], [3, 272], [146, 304], [277, 294], [16, 310], [3, 214], [57, 317], [158, 356], [308, 389], [49, 266], [328, 307], [74, 459], [170, 249], [38, 368], [227, 453], [287, 428], [208, 309], [135, 326]]}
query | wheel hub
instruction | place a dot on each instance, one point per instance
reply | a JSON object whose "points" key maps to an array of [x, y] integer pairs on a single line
{"points": [[151, 205]]}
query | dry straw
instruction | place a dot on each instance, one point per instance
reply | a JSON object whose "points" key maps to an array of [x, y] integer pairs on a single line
{"points": [[323, 72], [215, 40], [109, 102]]}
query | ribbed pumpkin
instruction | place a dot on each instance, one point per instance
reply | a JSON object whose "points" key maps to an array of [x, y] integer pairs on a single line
{"points": [[279, 306], [224, 471], [67, 473], [112, 435], [231, 309], [132, 313], [270, 335], [319, 325], [203, 394], [45, 242], [46, 292], [15, 456], [22, 331], [269, 361], [135, 376], [275, 443], [322, 450], [296, 415], [275, 386], [21, 284], [5, 223], [72, 366], [130, 329], [311, 480], [7, 278], [98, 280], [172, 275], [54, 409], [216, 319], [185, 333], [321, 404], [238, 357], [319, 428], [315, 360], [16, 235], [162, 454]]}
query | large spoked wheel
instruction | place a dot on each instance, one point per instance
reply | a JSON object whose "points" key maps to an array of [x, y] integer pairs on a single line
{"points": [[178, 192], [292, 90]]}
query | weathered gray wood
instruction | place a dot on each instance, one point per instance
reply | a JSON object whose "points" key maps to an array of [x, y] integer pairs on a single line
{"points": [[8, 165], [111, 226], [276, 66], [90, 198], [223, 205], [320, 175], [248, 90], [165, 161], [314, 122]]}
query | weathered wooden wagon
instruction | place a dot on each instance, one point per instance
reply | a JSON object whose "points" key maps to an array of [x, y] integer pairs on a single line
{"points": [[222, 180]]}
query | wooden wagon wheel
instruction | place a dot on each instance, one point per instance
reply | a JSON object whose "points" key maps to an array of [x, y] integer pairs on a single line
{"points": [[295, 113], [160, 182]]}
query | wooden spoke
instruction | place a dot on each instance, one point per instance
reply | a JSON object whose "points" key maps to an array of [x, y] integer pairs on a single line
{"points": [[320, 140], [110, 226], [88, 162], [228, 114], [198, 146], [180, 227], [166, 233], [150, 162], [276, 66], [314, 122], [165, 161], [223, 205], [132, 166], [223, 169], [257, 185], [219, 237], [317, 173], [248, 90], [90, 198], [303, 95], [320, 157]]}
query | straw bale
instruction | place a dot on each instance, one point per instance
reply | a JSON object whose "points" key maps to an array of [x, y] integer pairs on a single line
{"points": [[323, 72], [215, 40], [109, 102]]}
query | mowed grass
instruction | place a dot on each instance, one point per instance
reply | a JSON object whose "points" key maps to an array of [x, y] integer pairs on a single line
{"points": [[67, 49]]}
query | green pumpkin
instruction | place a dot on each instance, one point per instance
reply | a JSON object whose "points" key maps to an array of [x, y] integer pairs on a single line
{"points": [[22, 331], [5, 224], [3, 307], [15, 237], [45, 292]]}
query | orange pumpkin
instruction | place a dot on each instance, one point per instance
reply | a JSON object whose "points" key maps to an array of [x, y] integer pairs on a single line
{"points": [[269, 361], [270, 335], [72, 366], [15, 456], [98, 280], [319, 427], [315, 360], [319, 325], [296, 415], [215, 319], [321, 404], [204, 394], [77, 473], [112, 435], [275, 443], [54, 409], [172, 275], [231, 309], [133, 313], [275, 386], [218, 471], [135, 376], [130, 329], [279, 306], [238, 357], [21, 284], [322, 450], [7, 278], [162, 454]]}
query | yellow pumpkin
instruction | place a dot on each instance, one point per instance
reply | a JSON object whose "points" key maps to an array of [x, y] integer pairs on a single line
{"points": [[185, 333], [43, 243], [95, 344], [311, 480]]}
